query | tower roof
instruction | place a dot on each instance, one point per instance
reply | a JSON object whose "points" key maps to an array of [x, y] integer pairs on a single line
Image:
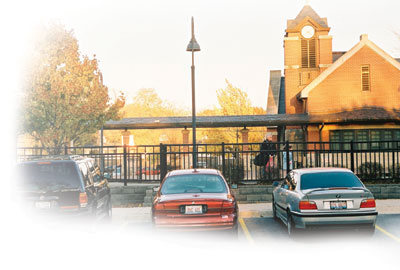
{"points": [[307, 11]]}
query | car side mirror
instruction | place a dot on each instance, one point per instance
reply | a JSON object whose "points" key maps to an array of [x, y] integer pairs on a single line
{"points": [[275, 184], [97, 178]]}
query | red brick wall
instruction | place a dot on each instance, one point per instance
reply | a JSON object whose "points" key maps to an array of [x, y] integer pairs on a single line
{"points": [[341, 90]]}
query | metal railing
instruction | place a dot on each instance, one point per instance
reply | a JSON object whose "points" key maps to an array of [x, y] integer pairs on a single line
{"points": [[378, 160]]}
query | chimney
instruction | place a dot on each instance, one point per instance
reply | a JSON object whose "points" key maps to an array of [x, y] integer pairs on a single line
{"points": [[364, 37]]}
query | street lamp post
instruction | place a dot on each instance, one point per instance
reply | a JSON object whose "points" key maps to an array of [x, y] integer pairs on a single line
{"points": [[193, 46]]}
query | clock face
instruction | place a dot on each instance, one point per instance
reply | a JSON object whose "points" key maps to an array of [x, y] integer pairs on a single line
{"points": [[307, 31]]}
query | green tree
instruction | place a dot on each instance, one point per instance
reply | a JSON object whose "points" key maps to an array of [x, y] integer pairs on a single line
{"points": [[65, 99]]}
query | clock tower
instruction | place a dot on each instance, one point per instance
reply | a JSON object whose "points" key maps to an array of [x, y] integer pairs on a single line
{"points": [[308, 52]]}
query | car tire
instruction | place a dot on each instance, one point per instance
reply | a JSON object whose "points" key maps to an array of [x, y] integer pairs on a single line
{"points": [[291, 227], [274, 210], [235, 232], [108, 216], [368, 231]]}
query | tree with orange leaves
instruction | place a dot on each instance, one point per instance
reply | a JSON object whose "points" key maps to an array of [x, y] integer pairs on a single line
{"points": [[65, 98], [232, 101]]}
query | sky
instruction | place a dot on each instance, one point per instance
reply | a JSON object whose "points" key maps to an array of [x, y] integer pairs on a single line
{"points": [[142, 44]]}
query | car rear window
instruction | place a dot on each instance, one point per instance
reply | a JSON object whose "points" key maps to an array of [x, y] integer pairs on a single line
{"points": [[329, 180], [48, 176], [193, 183]]}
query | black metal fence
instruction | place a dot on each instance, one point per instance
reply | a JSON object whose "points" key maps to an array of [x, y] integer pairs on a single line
{"points": [[147, 163]]}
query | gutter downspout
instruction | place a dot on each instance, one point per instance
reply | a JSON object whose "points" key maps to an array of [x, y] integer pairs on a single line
{"points": [[320, 128]]}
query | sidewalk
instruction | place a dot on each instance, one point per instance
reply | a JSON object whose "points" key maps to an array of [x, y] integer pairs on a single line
{"points": [[251, 210]]}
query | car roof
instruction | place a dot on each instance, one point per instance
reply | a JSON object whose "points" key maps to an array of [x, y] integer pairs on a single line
{"points": [[62, 158], [194, 171], [322, 169]]}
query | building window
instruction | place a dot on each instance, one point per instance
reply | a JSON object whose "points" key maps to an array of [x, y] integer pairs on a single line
{"points": [[375, 137], [365, 78], [396, 136], [387, 136], [362, 136], [308, 53], [334, 138], [365, 139], [300, 81]]}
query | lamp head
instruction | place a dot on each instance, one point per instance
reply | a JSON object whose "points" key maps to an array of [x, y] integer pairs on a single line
{"points": [[193, 46]]}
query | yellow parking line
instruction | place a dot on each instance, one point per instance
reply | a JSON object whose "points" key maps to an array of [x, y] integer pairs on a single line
{"points": [[245, 230], [388, 234], [249, 214]]}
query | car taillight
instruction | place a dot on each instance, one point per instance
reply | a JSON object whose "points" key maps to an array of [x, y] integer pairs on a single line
{"points": [[307, 205], [158, 206], [368, 203], [228, 207], [83, 199]]}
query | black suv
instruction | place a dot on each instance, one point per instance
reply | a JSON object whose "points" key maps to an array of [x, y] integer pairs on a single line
{"points": [[71, 185]]}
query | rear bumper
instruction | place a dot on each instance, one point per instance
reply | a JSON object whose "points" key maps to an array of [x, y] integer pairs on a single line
{"points": [[304, 220], [196, 223]]}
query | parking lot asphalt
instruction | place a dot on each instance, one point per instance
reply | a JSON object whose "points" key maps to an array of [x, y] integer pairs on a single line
{"points": [[257, 225]]}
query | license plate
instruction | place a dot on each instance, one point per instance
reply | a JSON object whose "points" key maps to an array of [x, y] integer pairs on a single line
{"points": [[43, 205], [193, 209], [338, 205]]}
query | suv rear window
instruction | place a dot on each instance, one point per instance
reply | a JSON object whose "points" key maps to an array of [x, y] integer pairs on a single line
{"points": [[48, 175], [196, 183], [329, 180]]}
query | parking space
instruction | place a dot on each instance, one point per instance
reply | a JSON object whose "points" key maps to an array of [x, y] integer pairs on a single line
{"points": [[266, 229], [256, 226]]}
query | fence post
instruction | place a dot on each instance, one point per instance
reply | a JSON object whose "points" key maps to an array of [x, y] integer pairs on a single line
{"points": [[223, 159], [125, 165], [101, 151], [141, 167], [287, 158], [394, 169], [352, 155], [163, 161], [65, 150]]}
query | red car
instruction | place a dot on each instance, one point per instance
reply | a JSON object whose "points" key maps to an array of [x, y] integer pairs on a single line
{"points": [[148, 171], [195, 199]]}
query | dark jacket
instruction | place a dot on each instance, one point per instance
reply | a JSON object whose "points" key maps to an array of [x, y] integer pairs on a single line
{"points": [[268, 148]]}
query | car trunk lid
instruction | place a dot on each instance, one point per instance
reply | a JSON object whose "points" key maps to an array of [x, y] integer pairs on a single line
{"points": [[332, 199], [177, 204]]}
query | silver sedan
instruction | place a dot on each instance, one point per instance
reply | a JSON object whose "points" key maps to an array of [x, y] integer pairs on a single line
{"points": [[323, 196]]}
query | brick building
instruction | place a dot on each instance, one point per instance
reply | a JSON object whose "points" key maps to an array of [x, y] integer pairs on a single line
{"points": [[357, 92]]}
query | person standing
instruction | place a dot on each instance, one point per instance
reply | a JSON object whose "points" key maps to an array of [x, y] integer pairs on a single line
{"points": [[268, 149], [284, 161]]}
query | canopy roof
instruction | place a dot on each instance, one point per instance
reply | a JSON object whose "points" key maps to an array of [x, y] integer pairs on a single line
{"points": [[365, 115]]}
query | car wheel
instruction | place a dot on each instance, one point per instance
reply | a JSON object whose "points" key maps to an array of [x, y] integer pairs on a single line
{"points": [[274, 210], [291, 227], [108, 216], [368, 231], [235, 232]]}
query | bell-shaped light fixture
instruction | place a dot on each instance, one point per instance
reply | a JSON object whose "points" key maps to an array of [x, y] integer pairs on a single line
{"points": [[193, 46]]}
